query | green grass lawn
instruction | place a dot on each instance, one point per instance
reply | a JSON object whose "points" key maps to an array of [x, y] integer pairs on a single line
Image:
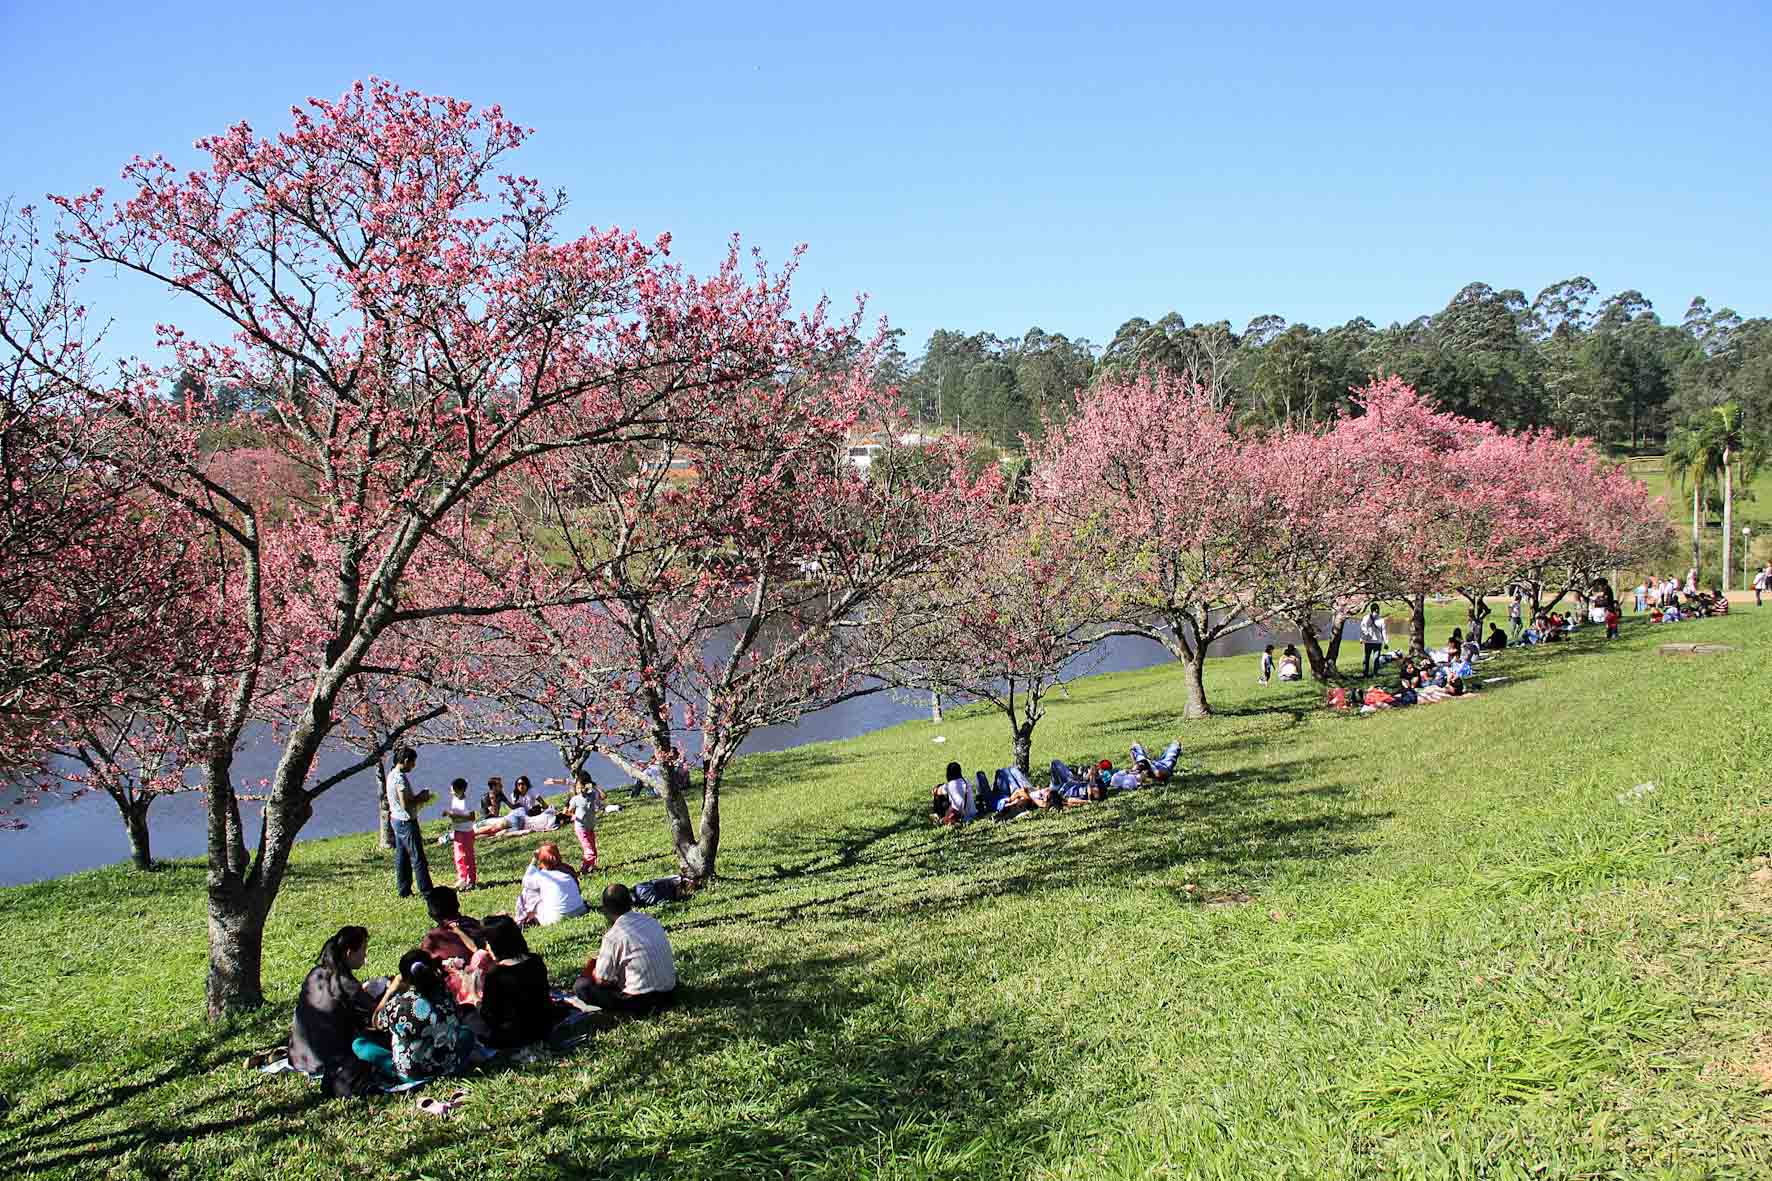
{"points": [[1455, 940]]}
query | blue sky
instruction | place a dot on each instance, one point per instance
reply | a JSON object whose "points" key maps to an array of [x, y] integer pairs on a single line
{"points": [[998, 168]]}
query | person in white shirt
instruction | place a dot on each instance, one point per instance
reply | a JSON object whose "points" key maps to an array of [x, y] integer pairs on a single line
{"points": [[461, 835], [403, 806], [550, 890], [634, 970], [954, 802], [1762, 584], [1373, 638], [584, 805]]}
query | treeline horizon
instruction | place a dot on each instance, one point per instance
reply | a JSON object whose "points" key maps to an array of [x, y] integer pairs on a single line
{"points": [[1607, 368]]}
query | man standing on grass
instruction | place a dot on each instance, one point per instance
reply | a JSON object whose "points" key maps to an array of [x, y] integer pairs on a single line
{"points": [[403, 806], [1762, 583], [1372, 640], [634, 971]]}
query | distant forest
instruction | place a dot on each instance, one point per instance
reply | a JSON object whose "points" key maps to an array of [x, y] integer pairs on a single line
{"points": [[1608, 368]]}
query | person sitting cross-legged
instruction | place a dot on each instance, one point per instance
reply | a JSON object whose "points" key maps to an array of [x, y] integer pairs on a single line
{"points": [[634, 970]]}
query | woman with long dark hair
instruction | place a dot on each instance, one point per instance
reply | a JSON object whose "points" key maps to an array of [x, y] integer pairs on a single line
{"points": [[334, 1006]]}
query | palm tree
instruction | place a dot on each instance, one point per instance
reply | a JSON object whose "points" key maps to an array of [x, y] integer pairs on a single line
{"points": [[1693, 462], [1742, 455], [1710, 452]]}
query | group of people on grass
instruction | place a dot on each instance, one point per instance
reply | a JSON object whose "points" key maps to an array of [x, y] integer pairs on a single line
{"points": [[471, 987], [1666, 600], [1010, 793], [523, 811]]}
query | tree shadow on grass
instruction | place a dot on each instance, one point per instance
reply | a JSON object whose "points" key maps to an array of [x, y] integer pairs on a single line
{"points": [[1243, 823]]}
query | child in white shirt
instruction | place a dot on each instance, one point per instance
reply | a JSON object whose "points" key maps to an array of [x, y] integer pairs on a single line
{"points": [[584, 805], [461, 834]]}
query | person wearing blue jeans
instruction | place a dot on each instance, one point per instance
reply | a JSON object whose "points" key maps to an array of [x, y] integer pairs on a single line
{"points": [[1072, 789], [1161, 769], [403, 806]]}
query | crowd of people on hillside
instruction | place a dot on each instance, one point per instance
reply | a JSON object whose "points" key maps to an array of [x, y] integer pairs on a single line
{"points": [[1010, 794], [470, 989]]}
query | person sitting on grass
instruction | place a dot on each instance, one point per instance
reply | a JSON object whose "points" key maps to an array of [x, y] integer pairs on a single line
{"points": [[634, 971], [426, 1033], [514, 821], [1497, 641], [1157, 770], [514, 1007], [495, 800], [333, 1010], [454, 936], [550, 890], [954, 801], [1291, 667]]}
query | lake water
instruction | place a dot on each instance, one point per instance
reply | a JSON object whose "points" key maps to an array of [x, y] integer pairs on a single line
{"points": [[69, 835]]}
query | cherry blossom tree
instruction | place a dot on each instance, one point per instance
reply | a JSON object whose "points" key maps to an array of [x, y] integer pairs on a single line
{"points": [[1006, 623], [1172, 498], [98, 581], [1433, 524], [734, 585], [1324, 552], [419, 327]]}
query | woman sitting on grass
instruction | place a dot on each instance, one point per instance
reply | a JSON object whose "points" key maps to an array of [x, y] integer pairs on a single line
{"points": [[1291, 667], [954, 801], [515, 1007], [334, 1008], [550, 890], [426, 1033]]}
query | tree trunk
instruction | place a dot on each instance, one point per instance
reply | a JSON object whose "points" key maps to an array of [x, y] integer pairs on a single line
{"points": [[135, 822], [1728, 519], [236, 950], [1194, 665], [1696, 486], [1024, 747], [1418, 626], [1338, 622], [1322, 668], [384, 822], [935, 707]]}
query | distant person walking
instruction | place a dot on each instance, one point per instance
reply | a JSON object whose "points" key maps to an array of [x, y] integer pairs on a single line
{"points": [[1373, 637], [1762, 583], [403, 806]]}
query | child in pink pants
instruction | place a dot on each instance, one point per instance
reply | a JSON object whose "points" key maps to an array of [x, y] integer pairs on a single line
{"points": [[585, 804], [461, 835]]}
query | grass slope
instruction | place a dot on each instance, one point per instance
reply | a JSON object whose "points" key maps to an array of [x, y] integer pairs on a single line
{"points": [[1449, 941]]}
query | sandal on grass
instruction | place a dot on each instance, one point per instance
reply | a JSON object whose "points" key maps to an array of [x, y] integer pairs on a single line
{"points": [[433, 1106]]}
